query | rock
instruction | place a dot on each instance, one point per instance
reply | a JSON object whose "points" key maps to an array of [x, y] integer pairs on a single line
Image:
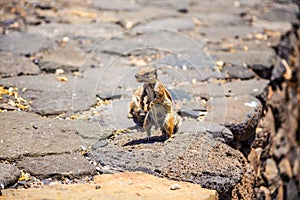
{"points": [[195, 105], [244, 189], [262, 62], [264, 133], [257, 88], [14, 66], [192, 109], [291, 190], [254, 159], [198, 158], [178, 24], [183, 10], [70, 59], [24, 43], [213, 129], [80, 32], [282, 13], [186, 112], [280, 193], [240, 114], [74, 166], [115, 115], [49, 96], [179, 95], [108, 96], [195, 74], [97, 187], [216, 33], [280, 145], [264, 193], [187, 167], [285, 169], [240, 72], [115, 5], [199, 60], [118, 186], [21, 131], [280, 26], [175, 187], [223, 19], [271, 174], [9, 175]]}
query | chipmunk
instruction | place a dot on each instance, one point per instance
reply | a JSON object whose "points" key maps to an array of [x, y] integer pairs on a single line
{"points": [[161, 112]]}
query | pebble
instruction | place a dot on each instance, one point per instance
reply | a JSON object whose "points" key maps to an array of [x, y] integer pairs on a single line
{"points": [[175, 186], [97, 187]]}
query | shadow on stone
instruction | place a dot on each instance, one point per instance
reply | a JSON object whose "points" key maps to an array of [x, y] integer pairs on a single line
{"points": [[151, 140]]}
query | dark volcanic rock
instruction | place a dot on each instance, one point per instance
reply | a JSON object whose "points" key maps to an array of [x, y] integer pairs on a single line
{"points": [[209, 164], [24, 43], [115, 115], [218, 132], [240, 114], [253, 87], [69, 59], [199, 60], [65, 165], [14, 66], [262, 62], [178, 24], [284, 13], [281, 26], [192, 157], [239, 72], [29, 134], [9, 174], [50, 96], [216, 33], [179, 95], [115, 5]]}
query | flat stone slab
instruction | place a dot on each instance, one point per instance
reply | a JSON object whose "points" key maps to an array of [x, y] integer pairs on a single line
{"points": [[68, 58], [218, 132], [216, 33], [115, 5], [203, 160], [24, 43], [9, 174], [240, 72], [240, 114], [114, 115], [50, 96], [78, 31], [283, 13], [178, 24], [125, 186], [281, 26], [207, 163], [254, 59], [196, 73], [64, 165], [14, 66], [218, 19], [28, 134], [154, 39], [253, 87], [198, 61]]}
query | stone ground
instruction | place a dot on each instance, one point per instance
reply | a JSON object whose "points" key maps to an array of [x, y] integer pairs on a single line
{"points": [[67, 74]]}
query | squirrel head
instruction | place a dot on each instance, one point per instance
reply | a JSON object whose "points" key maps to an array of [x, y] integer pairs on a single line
{"points": [[146, 75]]}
